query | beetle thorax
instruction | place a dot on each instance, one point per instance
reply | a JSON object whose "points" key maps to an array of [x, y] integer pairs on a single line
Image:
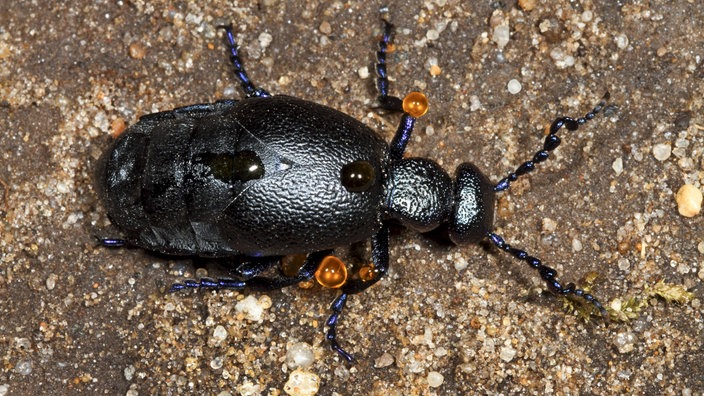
{"points": [[418, 193]]}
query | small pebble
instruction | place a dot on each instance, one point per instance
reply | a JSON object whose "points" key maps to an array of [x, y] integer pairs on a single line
{"points": [[501, 35], [527, 5], [384, 360], [219, 334], [662, 151], [302, 383], [325, 28], [576, 245], [625, 342], [129, 372], [514, 86], [435, 379], [435, 70], [137, 50], [507, 354], [300, 355], [621, 41], [617, 165], [689, 200], [265, 39], [51, 281]]}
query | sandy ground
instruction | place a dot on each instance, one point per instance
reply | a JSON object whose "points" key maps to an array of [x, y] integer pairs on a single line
{"points": [[81, 319]]}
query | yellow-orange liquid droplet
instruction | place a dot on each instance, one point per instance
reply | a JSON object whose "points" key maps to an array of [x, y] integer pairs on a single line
{"points": [[415, 104], [291, 264], [331, 272], [367, 273], [307, 284]]}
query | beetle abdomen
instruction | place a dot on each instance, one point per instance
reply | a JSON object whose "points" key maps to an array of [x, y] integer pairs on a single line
{"points": [[256, 177]]}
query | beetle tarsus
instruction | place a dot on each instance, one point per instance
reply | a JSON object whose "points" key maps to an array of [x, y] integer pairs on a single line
{"points": [[337, 306]]}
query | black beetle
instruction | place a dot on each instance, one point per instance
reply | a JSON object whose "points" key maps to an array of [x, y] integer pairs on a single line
{"points": [[268, 176]]}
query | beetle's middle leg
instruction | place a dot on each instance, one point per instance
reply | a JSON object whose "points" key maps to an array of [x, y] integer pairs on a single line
{"points": [[356, 284], [249, 89]]}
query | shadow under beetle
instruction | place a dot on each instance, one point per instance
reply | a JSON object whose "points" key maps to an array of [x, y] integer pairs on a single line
{"points": [[267, 176]]}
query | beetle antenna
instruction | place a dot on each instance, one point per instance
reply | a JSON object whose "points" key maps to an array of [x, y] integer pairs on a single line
{"points": [[551, 143], [249, 89], [548, 274]]}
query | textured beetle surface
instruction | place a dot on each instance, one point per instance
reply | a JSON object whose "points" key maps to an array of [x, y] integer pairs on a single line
{"points": [[253, 180], [171, 182]]}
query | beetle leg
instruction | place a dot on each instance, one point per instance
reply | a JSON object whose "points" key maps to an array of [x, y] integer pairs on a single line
{"points": [[548, 274], [276, 281], [391, 103], [249, 89], [380, 259], [551, 143], [112, 242]]}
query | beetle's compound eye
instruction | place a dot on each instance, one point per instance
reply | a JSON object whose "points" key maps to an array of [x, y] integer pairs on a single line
{"points": [[357, 176], [331, 273], [239, 167]]}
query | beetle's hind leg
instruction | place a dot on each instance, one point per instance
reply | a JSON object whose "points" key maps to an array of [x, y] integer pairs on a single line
{"points": [[249, 88], [248, 276]]}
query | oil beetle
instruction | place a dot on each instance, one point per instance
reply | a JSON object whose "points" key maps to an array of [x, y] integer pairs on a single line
{"points": [[255, 180]]}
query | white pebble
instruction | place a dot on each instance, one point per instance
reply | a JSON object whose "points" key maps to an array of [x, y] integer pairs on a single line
{"points": [[51, 281], [432, 34], [219, 334], [251, 307], [302, 383], [129, 372], [265, 39], [617, 166], [621, 41], [576, 245], [501, 35], [435, 379], [507, 354], [514, 86], [662, 151], [363, 72], [299, 355], [625, 342]]}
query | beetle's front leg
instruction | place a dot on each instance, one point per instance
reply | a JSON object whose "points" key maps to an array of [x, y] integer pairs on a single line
{"points": [[359, 283]]}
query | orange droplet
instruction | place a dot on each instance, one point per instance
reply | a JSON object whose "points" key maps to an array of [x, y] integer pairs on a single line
{"points": [[367, 273], [415, 104], [291, 264], [307, 284], [331, 272]]}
